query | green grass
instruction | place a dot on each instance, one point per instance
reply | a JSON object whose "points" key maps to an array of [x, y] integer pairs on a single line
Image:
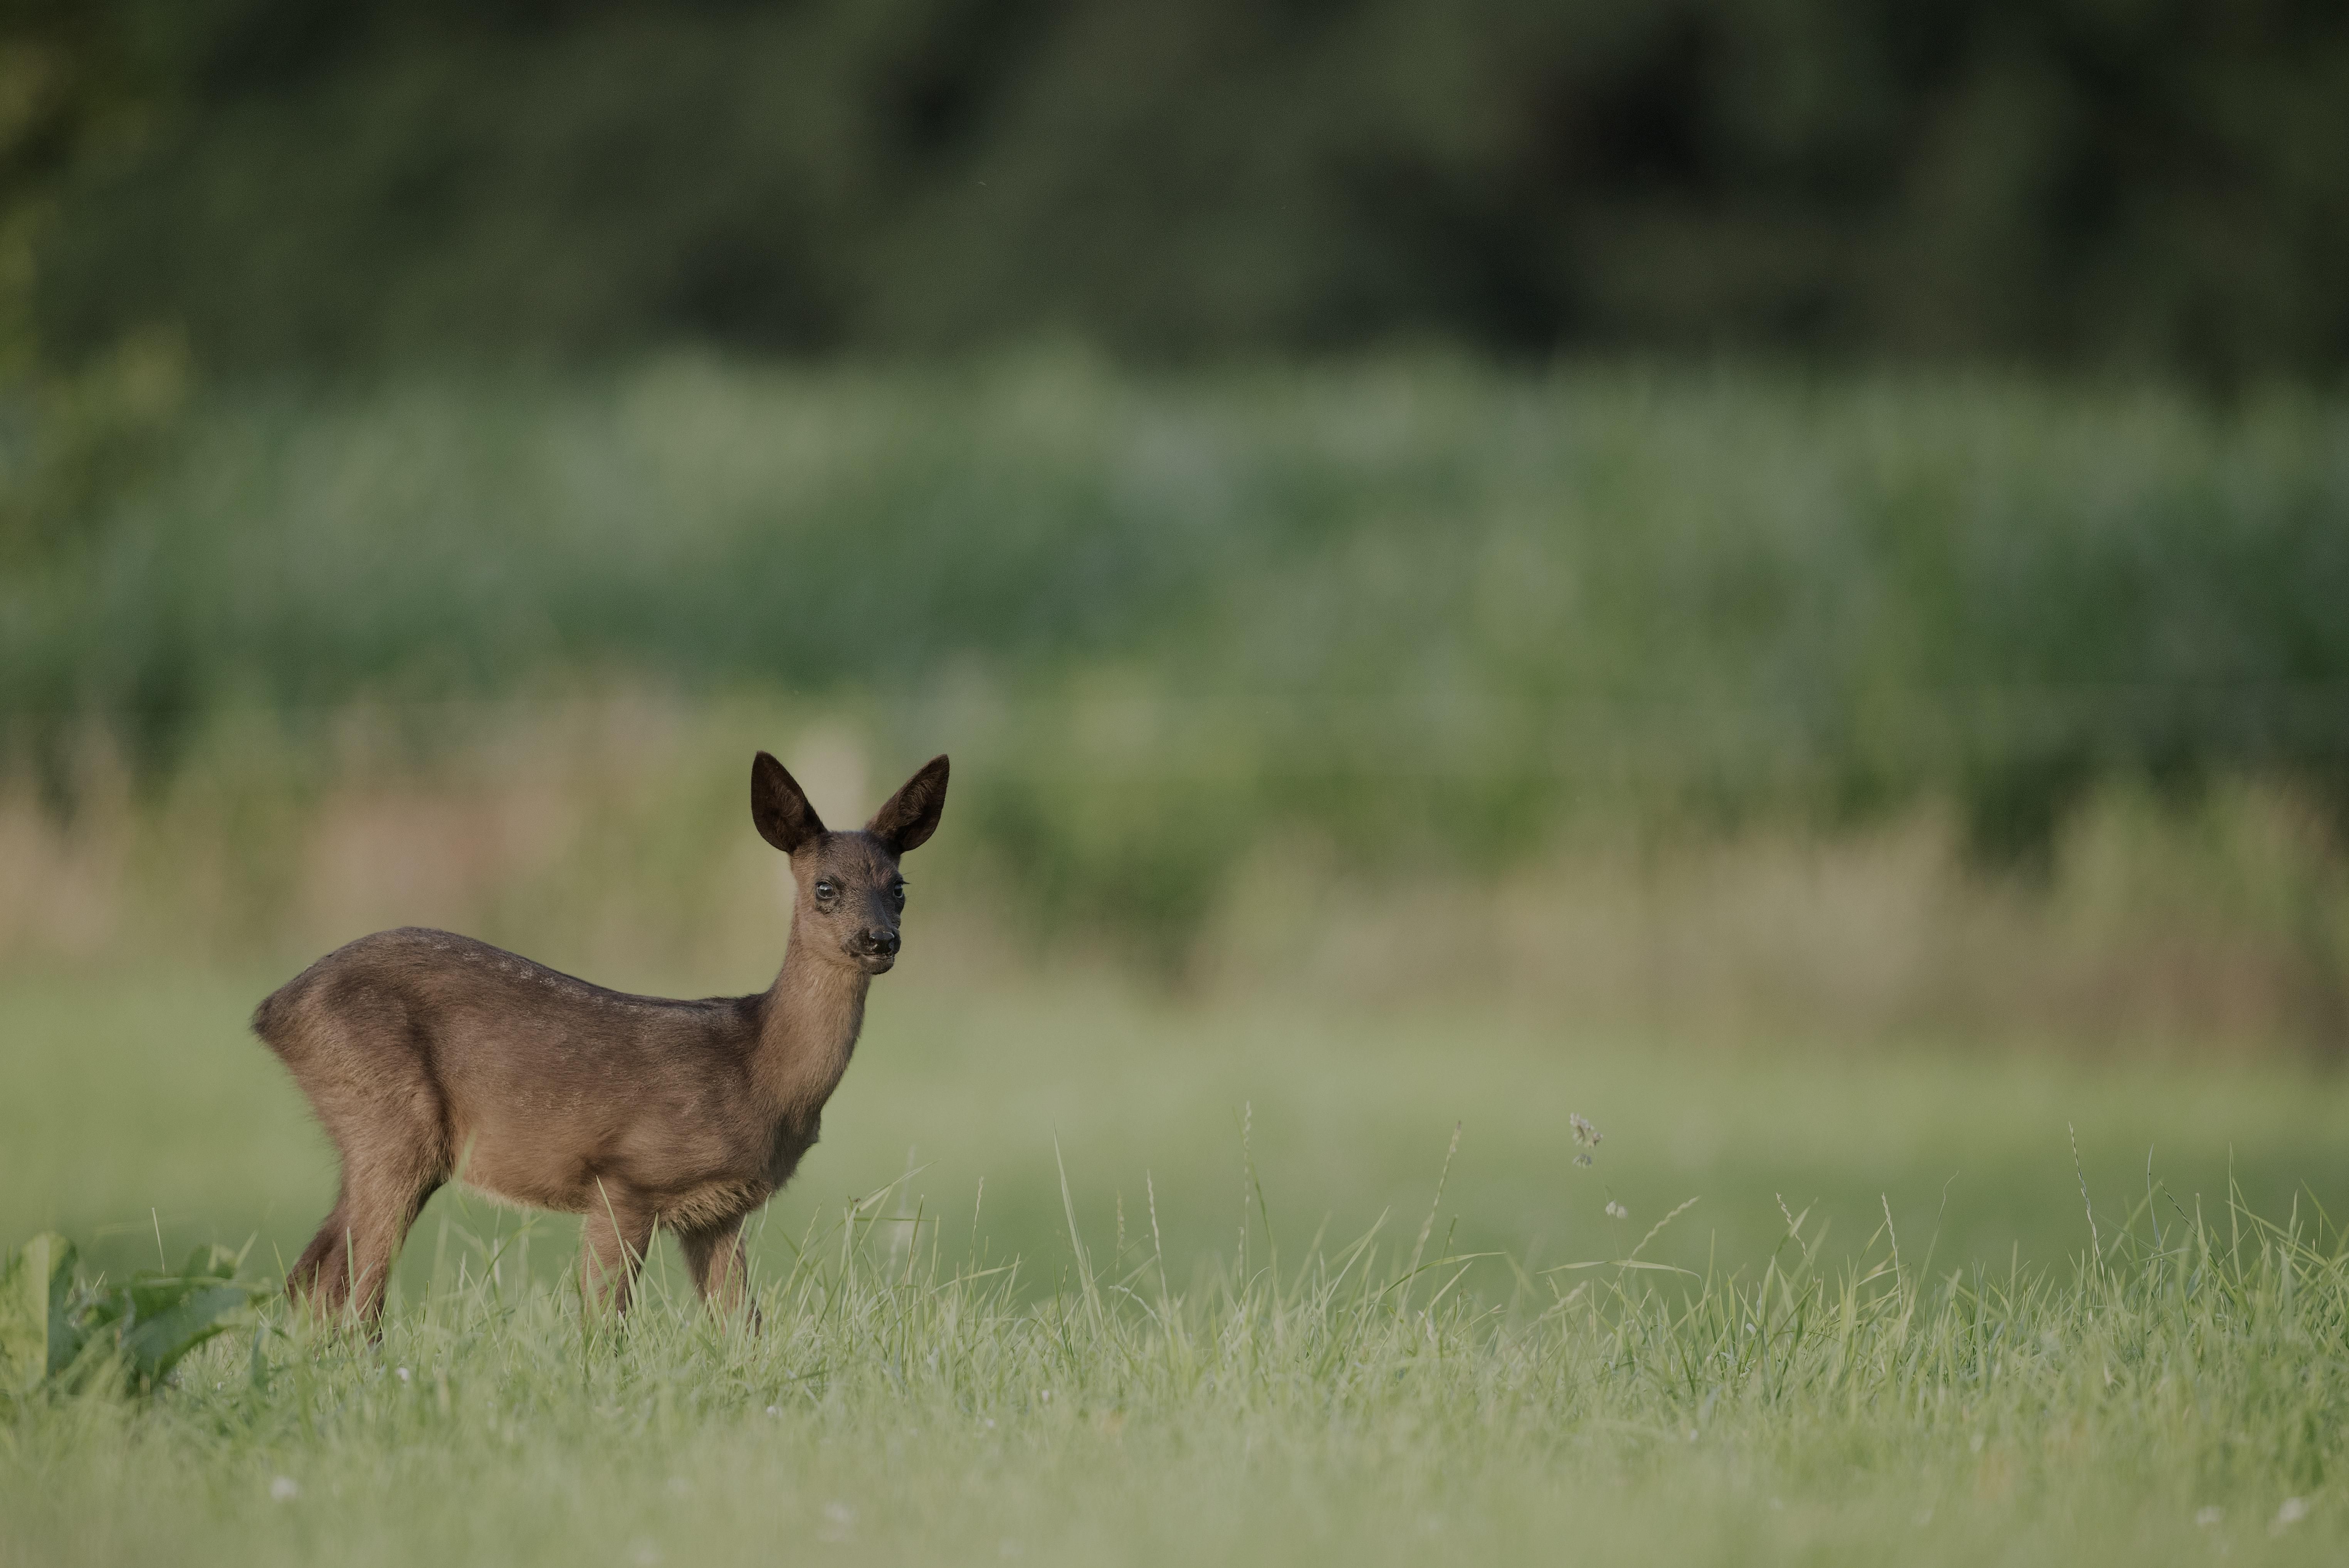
{"points": [[1342, 1409], [1156, 1393]]}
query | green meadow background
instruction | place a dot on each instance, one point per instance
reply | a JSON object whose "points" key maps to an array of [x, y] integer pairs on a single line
{"points": [[1288, 1123]]}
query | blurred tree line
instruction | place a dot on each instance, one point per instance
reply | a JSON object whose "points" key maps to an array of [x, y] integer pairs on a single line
{"points": [[2139, 183]]}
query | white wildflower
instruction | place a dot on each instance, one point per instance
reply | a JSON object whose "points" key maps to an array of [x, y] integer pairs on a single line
{"points": [[285, 1489]]}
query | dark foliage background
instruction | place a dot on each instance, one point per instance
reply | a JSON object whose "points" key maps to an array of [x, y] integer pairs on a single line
{"points": [[295, 183]]}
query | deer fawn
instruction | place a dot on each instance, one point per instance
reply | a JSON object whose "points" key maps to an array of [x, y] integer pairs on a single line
{"points": [[430, 1058]]}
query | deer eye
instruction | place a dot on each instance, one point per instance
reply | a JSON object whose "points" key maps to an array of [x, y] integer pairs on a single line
{"points": [[824, 888], [898, 895]]}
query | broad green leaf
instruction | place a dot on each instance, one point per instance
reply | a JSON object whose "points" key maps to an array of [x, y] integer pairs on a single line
{"points": [[38, 1331], [153, 1344], [152, 1294]]}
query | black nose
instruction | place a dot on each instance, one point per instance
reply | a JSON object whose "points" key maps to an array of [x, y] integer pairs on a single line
{"points": [[875, 939]]}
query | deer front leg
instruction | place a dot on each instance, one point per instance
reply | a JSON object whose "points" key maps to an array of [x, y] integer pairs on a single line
{"points": [[612, 1245], [720, 1270]]}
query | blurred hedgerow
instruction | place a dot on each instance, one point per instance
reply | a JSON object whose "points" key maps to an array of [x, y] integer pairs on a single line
{"points": [[1402, 612]]}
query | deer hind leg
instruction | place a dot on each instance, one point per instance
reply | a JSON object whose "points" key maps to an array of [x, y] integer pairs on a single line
{"points": [[720, 1270], [348, 1265], [319, 1274], [365, 1077], [613, 1242]]}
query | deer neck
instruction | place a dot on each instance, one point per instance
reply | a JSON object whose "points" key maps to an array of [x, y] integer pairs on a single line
{"points": [[807, 1032]]}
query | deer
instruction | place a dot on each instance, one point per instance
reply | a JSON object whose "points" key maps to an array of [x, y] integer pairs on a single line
{"points": [[430, 1057]]}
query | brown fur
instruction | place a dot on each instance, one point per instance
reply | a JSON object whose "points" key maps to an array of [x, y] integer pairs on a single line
{"points": [[431, 1058]]}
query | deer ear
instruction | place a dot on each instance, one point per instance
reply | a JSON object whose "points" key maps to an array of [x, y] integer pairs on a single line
{"points": [[911, 815], [779, 807]]}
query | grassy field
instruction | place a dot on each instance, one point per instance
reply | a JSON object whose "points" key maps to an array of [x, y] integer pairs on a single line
{"points": [[1903, 815], [1184, 1365]]}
